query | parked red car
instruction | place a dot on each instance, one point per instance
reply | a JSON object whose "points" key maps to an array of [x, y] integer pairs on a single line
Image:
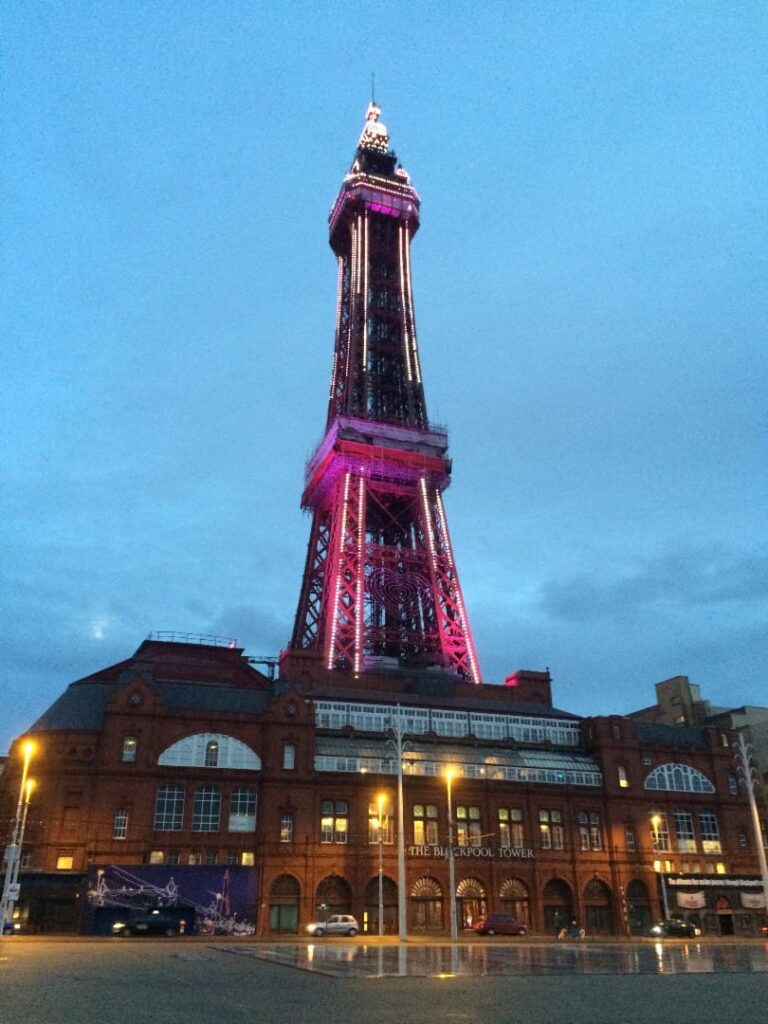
{"points": [[500, 924]]}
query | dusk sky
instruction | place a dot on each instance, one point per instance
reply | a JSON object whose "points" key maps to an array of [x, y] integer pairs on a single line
{"points": [[591, 289]]}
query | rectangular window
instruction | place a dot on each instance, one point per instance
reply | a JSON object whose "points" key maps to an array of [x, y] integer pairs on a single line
{"points": [[385, 827], [169, 809], [334, 821], [583, 837], [206, 812], [286, 827], [212, 754], [65, 862], [120, 823], [248, 859], [232, 857], [595, 831], [710, 834], [551, 833], [425, 825], [289, 757], [173, 857], [156, 857], [629, 838], [468, 832], [242, 810], [659, 832], [195, 857], [211, 856], [684, 834], [621, 771], [130, 744], [511, 831]]}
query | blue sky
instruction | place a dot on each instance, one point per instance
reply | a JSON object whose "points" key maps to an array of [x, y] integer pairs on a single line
{"points": [[590, 284]]}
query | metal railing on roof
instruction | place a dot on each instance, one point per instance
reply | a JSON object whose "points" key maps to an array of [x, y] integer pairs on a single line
{"points": [[209, 639]]}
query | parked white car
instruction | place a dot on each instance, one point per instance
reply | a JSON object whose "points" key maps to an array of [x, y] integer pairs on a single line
{"points": [[337, 924]]}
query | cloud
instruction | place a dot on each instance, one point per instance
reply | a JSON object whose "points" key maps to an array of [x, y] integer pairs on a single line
{"points": [[681, 577]]}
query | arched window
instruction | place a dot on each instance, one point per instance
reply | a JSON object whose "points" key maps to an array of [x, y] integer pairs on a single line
{"points": [[678, 778], [210, 750]]}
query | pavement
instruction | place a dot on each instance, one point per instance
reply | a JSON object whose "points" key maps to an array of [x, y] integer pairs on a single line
{"points": [[208, 981]]}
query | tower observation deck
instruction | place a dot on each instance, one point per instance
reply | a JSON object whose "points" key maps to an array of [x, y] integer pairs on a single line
{"points": [[380, 584]]}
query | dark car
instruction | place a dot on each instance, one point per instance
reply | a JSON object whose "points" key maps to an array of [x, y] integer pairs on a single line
{"points": [[500, 924], [153, 922], [675, 928]]}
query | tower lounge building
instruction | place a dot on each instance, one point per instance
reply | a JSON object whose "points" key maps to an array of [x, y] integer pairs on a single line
{"points": [[375, 773]]}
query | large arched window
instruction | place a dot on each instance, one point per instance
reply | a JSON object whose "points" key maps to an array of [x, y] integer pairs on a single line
{"points": [[210, 750], [678, 778]]}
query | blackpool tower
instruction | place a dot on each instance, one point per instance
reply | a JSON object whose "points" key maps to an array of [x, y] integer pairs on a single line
{"points": [[380, 587]]}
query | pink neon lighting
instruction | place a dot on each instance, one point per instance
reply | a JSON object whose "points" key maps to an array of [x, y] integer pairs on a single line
{"points": [[337, 589], [365, 300], [410, 303], [459, 597], [359, 597], [405, 314]]}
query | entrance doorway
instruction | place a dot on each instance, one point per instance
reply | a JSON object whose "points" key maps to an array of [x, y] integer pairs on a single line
{"points": [[284, 905], [472, 904], [426, 905]]}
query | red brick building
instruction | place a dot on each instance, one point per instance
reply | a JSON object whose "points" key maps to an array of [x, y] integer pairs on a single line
{"points": [[186, 755]]}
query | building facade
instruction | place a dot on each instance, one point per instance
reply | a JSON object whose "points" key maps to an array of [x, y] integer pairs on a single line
{"points": [[186, 756]]}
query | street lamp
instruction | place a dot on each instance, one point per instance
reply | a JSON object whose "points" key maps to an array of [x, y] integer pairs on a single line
{"points": [[13, 850], [380, 802], [449, 774]]}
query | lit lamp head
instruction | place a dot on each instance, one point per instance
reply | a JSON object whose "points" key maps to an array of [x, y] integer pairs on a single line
{"points": [[28, 748]]}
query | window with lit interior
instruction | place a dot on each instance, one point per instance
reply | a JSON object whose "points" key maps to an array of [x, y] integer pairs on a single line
{"points": [[511, 830], [425, 831], [334, 821]]}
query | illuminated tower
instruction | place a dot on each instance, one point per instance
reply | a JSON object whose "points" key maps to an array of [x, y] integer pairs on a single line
{"points": [[380, 585]]}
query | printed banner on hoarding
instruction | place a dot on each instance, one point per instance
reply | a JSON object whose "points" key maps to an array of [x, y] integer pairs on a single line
{"points": [[753, 900], [691, 900], [223, 898]]}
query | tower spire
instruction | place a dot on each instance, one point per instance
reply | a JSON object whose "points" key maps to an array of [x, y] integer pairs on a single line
{"points": [[380, 583]]}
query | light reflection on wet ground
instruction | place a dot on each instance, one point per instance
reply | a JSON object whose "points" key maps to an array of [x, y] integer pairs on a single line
{"points": [[363, 961]]}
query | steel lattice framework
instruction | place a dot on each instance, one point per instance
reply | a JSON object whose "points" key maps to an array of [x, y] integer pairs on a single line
{"points": [[380, 580]]}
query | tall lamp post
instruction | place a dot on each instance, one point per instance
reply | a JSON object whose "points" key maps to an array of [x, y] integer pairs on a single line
{"points": [[397, 741], [380, 802], [747, 771], [13, 850], [449, 774]]}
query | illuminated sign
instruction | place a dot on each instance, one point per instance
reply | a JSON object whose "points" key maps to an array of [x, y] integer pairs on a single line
{"points": [[473, 852]]}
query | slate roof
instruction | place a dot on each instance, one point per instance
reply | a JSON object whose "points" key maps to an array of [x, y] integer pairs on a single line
{"points": [[188, 677]]}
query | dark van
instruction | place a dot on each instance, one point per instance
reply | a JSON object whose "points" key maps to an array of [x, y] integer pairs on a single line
{"points": [[500, 924], [152, 922]]}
